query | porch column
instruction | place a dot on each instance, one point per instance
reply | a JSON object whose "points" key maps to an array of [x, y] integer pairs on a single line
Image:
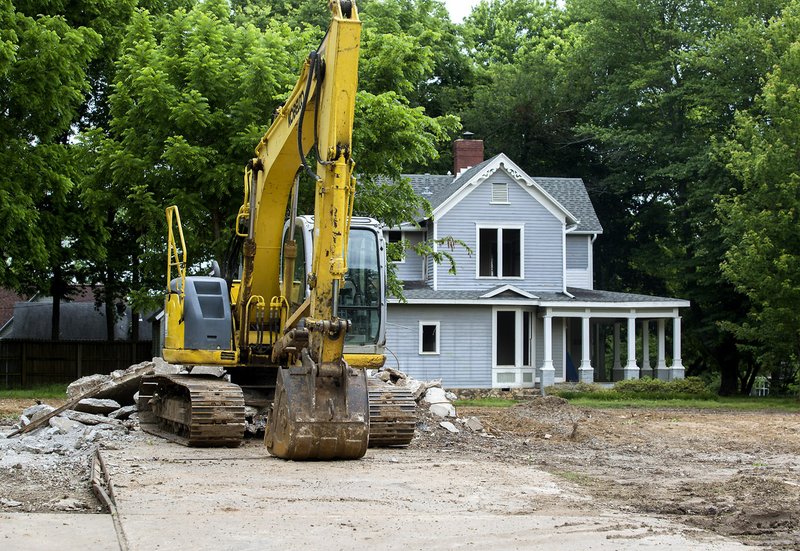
{"points": [[646, 370], [631, 370], [677, 371], [662, 371], [616, 372], [585, 371], [547, 373]]}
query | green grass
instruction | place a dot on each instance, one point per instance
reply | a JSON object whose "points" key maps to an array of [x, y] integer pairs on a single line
{"points": [[40, 392], [610, 400], [574, 477], [487, 402]]}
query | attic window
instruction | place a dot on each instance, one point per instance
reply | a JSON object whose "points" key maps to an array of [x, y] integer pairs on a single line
{"points": [[500, 193]]}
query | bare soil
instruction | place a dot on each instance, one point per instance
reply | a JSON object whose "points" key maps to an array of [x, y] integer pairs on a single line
{"points": [[734, 473]]}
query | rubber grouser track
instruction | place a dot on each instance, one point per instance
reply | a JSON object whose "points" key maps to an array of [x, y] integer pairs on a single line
{"points": [[392, 414], [192, 410]]}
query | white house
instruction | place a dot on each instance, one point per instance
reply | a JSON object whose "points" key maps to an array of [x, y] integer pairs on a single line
{"points": [[522, 307]]}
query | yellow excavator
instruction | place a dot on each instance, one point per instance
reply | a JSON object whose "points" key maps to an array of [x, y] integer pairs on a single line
{"points": [[300, 315]]}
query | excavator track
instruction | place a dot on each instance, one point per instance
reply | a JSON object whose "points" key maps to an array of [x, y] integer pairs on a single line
{"points": [[192, 410], [392, 414]]}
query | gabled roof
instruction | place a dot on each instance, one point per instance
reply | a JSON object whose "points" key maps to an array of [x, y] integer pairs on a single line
{"points": [[568, 194], [571, 192], [508, 291]]}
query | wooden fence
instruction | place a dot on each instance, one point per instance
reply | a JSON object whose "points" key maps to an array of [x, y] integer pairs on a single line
{"points": [[31, 363]]}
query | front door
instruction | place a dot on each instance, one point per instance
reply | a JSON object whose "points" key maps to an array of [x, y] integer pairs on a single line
{"points": [[512, 344]]}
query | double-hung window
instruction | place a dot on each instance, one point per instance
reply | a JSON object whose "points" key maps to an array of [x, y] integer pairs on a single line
{"points": [[500, 252]]}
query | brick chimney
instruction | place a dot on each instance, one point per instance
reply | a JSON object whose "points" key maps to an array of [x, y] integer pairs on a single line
{"points": [[466, 152]]}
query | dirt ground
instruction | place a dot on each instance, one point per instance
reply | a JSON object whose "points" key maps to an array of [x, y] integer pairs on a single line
{"points": [[733, 473]]}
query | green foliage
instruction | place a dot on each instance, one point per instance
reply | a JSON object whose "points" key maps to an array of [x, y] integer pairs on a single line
{"points": [[58, 391], [185, 117], [682, 118], [37, 113], [739, 403], [760, 220], [693, 386], [690, 388]]}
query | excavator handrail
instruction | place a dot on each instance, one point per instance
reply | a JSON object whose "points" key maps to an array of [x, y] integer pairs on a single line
{"points": [[175, 257]]}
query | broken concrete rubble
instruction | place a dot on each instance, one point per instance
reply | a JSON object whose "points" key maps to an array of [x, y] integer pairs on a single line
{"points": [[85, 384], [97, 405], [442, 409], [36, 412], [90, 418], [64, 425], [450, 427], [209, 370], [473, 423], [437, 400], [120, 386], [123, 413]]}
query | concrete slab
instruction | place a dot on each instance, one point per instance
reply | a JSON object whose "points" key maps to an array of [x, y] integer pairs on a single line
{"points": [[55, 532], [242, 499]]}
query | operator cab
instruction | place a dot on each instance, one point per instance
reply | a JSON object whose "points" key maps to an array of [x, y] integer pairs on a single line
{"points": [[362, 297]]}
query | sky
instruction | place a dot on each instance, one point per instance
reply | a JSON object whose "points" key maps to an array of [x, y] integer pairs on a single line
{"points": [[459, 8]]}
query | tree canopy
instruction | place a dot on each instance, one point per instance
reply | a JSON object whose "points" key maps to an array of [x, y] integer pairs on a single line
{"points": [[680, 115]]}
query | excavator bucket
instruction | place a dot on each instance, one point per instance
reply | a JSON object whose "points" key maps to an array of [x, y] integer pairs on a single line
{"points": [[316, 417]]}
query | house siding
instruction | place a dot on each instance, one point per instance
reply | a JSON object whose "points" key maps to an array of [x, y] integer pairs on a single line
{"points": [[577, 252], [543, 238], [465, 344], [578, 261], [429, 271], [411, 269]]}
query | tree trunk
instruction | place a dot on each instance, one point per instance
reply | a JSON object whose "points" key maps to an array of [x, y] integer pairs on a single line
{"points": [[729, 366], [749, 377]]}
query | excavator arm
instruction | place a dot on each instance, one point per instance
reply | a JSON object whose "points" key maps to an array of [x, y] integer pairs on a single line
{"points": [[321, 408], [280, 322]]}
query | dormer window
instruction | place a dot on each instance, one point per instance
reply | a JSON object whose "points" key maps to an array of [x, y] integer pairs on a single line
{"points": [[500, 193]]}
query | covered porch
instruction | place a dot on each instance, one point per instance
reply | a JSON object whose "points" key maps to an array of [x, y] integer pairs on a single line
{"points": [[598, 325]]}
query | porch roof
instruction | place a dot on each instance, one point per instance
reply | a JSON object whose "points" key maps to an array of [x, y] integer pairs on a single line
{"points": [[420, 293]]}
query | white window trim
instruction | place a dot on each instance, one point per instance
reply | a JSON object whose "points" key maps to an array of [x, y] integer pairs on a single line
{"points": [[402, 238], [492, 201], [438, 333], [518, 368], [500, 227]]}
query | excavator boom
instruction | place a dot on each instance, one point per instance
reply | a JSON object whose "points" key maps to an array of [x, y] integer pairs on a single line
{"points": [[321, 407], [296, 308]]}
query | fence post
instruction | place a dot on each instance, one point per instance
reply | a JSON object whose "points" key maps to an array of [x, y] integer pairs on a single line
{"points": [[23, 365], [80, 361]]}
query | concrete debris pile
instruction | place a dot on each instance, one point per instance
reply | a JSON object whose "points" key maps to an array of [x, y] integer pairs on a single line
{"points": [[434, 405], [54, 459], [53, 446], [70, 432]]}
